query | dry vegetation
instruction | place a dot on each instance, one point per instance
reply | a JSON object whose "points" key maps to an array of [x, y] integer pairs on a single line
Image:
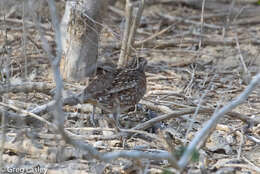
{"points": [[190, 65]]}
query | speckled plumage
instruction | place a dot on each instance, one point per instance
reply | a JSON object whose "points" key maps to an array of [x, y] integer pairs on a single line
{"points": [[121, 88]]}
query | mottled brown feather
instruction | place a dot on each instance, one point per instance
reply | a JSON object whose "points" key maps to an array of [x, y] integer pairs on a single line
{"points": [[121, 88]]}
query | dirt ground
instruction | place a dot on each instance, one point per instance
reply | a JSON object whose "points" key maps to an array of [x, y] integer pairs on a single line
{"points": [[189, 65]]}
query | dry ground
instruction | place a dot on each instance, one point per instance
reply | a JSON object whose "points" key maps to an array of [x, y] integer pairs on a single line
{"points": [[189, 65]]}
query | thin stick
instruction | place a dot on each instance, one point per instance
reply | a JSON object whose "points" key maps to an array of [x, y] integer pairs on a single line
{"points": [[129, 18], [240, 144], [3, 138], [132, 33], [139, 43], [241, 58], [28, 113], [201, 23], [24, 41]]}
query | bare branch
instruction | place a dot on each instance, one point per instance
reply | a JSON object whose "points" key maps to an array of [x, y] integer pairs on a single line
{"points": [[132, 22], [204, 132], [129, 19], [26, 87]]}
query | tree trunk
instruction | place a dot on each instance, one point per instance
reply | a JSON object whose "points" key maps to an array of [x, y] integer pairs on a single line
{"points": [[80, 28]]}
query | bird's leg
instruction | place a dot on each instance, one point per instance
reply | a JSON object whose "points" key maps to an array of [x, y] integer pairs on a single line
{"points": [[92, 116], [115, 121], [136, 108], [115, 116]]}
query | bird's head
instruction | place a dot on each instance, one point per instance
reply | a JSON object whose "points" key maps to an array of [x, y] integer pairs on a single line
{"points": [[141, 63], [138, 63]]}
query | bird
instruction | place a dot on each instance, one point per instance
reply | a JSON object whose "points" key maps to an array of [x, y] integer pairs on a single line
{"points": [[118, 90]]}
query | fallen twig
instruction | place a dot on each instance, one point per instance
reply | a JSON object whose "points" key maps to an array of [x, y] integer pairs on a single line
{"points": [[26, 87]]}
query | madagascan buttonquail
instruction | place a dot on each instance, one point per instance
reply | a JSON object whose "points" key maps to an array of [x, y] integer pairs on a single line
{"points": [[118, 90]]}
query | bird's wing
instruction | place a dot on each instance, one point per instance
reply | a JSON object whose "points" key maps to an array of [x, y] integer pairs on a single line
{"points": [[100, 83], [124, 80]]}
